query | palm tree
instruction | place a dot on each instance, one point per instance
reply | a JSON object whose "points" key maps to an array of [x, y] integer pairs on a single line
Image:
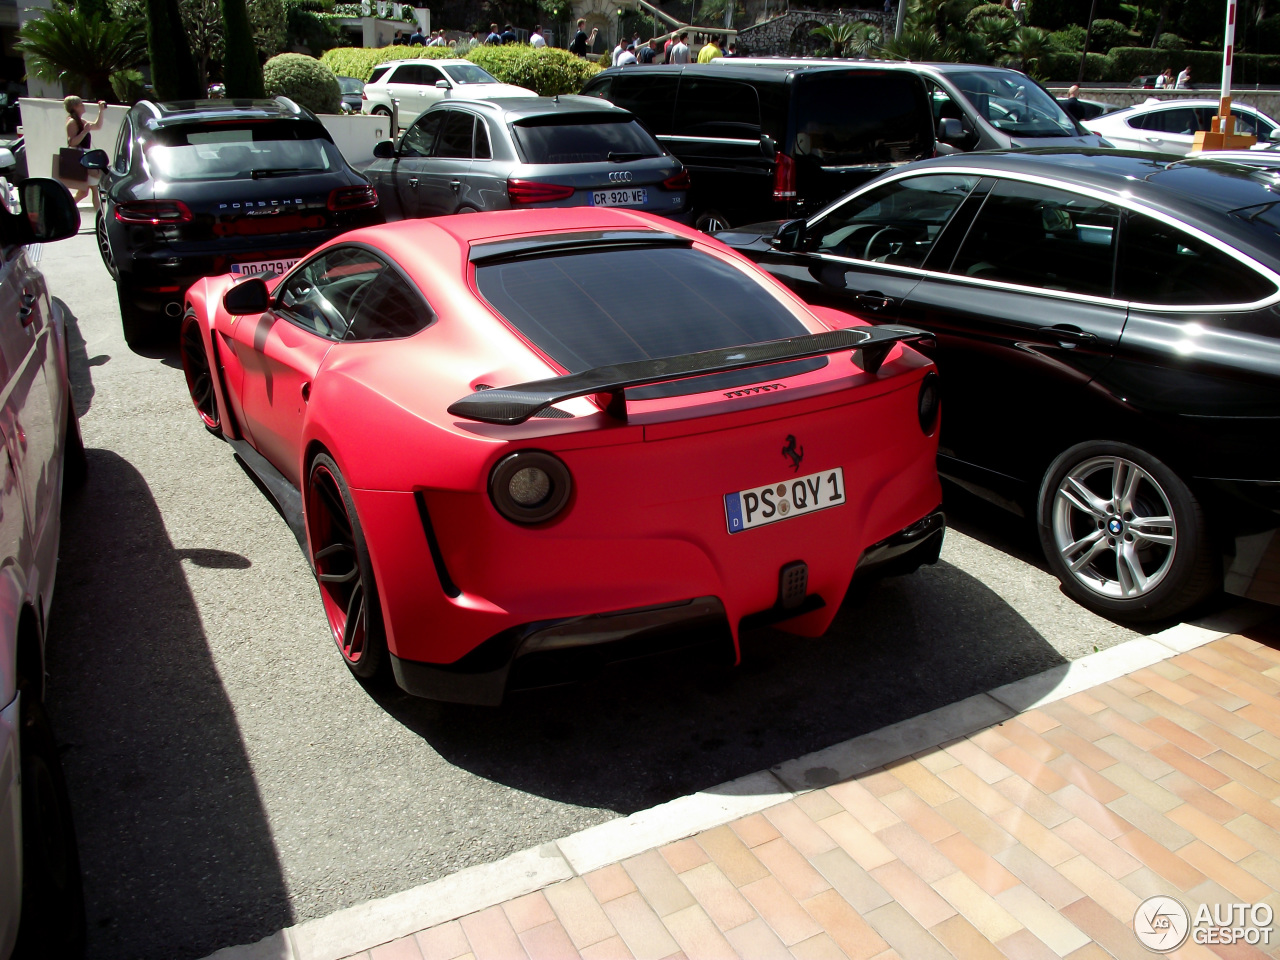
{"points": [[852, 38], [81, 50], [1028, 46], [240, 65]]}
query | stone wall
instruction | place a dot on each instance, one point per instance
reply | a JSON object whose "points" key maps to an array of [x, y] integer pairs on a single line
{"points": [[791, 35], [1268, 101]]}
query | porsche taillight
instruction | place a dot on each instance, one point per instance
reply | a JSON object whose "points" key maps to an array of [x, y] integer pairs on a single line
{"points": [[532, 191], [154, 212], [353, 198]]}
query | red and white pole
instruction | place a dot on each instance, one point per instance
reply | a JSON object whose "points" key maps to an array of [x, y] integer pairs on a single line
{"points": [[1228, 52]]}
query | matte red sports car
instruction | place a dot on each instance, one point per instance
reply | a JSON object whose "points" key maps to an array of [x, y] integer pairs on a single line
{"points": [[515, 444]]}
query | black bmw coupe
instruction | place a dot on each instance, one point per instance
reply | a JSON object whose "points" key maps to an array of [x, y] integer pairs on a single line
{"points": [[1108, 339], [199, 188]]}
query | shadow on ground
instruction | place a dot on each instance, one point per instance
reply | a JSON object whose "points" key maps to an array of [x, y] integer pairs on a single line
{"points": [[82, 389], [178, 858], [648, 732]]}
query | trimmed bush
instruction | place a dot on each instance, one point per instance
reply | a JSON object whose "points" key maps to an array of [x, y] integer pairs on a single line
{"points": [[1171, 41], [304, 80], [1068, 40], [548, 71], [1107, 34]]}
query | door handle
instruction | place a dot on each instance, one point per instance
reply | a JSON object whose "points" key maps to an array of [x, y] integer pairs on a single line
{"points": [[455, 184], [27, 303], [1069, 335], [874, 300], [1155, 139], [413, 182]]}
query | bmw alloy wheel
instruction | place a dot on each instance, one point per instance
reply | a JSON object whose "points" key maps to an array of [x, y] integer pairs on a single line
{"points": [[1114, 528]]}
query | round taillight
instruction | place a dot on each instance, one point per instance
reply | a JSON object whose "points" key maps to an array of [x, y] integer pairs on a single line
{"points": [[929, 403], [530, 486]]}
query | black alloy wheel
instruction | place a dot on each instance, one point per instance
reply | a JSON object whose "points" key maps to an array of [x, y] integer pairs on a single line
{"points": [[195, 365], [104, 245], [343, 570]]}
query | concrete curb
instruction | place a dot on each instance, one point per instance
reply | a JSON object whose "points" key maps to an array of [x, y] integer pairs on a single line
{"points": [[375, 922]]}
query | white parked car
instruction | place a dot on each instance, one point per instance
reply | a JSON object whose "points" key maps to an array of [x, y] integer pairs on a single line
{"points": [[1169, 126], [403, 89]]}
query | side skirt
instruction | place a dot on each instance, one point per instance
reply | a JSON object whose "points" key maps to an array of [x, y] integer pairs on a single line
{"points": [[284, 495]]}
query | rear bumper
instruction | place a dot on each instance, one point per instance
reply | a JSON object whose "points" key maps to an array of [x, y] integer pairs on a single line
{"points": [[1247, 512], [558, 651]]}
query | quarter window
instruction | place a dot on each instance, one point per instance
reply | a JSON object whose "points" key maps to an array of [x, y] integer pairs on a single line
{"points": [[896, 223], [482, 150], [1041, 237], [124, 147], [1160, 264]]}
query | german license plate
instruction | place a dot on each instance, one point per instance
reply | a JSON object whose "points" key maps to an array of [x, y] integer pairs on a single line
{"points": [[631, 197], [255, 267], [783, 500]]}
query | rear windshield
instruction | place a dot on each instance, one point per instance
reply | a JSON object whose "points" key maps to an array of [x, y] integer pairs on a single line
{"points": [[583, 138], [1014, 103], [590, 309], [241, 151], [846, 119]]}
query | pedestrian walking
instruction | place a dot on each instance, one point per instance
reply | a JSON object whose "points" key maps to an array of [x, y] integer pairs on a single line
{"points": [[536, 39], [1072, 104], [680, 52], [416, 39], [1184, 79], [494, 39], [79, 139], [619, 50], [649, 52], [509, 34], [1162, 79], [582, 41], [399, 39], [475, 39], [710, 51]]}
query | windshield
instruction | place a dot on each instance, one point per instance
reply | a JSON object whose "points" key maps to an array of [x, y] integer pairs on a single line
{"points": [[239, 151], [350, 85], [581, 309], [1014, 103], [468, 73], [584, 138]]}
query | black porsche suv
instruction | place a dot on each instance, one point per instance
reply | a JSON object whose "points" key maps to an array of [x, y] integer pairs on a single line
{"points": [[199, 188]]}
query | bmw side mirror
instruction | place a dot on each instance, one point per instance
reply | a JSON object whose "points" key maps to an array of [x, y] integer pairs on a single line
{"points": [[95, 160], [950, 130], [442, 84], [789, 237], [49, 210], [384, 150], [246, 298]]}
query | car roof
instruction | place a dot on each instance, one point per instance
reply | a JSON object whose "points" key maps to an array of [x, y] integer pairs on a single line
{"points": [[511, 109], [767, 68], [169, 112], [433, 61], [1200, 191]]}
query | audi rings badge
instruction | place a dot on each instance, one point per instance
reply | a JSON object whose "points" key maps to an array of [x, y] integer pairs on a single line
{"points": [[620, 176]]}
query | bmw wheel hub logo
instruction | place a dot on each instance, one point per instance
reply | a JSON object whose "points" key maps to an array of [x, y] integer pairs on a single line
{"points": [[1115, 526]]}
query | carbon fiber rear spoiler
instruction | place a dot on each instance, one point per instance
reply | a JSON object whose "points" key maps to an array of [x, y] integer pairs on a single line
{"points": [[513, 405]]}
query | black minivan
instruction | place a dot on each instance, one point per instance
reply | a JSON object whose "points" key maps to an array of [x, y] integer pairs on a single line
{"points": [[775, 140]]}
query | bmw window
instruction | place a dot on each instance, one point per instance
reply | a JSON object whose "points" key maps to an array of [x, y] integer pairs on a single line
{"points": [[583, 138], [1161, 264], [896, 223], [1037, 236], [239, 151]]}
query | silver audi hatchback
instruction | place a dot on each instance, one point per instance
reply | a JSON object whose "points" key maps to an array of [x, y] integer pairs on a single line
{"points": [[569, 151]]}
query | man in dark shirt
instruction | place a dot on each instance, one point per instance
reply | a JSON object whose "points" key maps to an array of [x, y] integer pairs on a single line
{"points": [[1072, 103], [509, 35], [648, 53], [581, 42]]}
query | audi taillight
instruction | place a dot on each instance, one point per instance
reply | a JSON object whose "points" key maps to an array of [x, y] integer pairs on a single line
{"points": [[531, 191], [680, 181], [784, 178], [353, 198], [154, 212]]}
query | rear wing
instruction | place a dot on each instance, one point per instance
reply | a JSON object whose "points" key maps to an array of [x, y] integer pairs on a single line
{"points": [[509, 406]]}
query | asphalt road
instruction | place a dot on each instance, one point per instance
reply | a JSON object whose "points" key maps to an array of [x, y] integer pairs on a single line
{"points": [[229, 777]]}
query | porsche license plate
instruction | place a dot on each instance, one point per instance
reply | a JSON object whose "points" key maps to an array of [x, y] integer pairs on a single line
{"points": [[631, 197], [255, 267], [783, 500]]}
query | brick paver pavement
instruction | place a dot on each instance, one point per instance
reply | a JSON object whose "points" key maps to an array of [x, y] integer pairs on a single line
{"points": [[1035, 838]]}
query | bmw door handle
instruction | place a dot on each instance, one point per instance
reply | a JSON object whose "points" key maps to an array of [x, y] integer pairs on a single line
{"points": [[413, 182], [1069, 335]]}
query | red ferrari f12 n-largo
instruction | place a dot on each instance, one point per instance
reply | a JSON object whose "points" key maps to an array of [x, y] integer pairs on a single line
{"points": [[519, 442]]}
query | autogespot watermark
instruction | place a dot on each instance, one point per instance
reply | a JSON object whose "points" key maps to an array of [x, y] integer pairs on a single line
{"points": [[1163, 924]]}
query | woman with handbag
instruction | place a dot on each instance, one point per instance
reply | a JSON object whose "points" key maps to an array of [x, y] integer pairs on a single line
{"points": [[79, 139]]}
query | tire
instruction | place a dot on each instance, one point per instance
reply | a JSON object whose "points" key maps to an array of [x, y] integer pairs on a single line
{"points": [[344, 572], [199, 373], [75, 466], [104, 246], [380, 112], [1132, 530], [53, 918], [710, 220], [139, 329]]}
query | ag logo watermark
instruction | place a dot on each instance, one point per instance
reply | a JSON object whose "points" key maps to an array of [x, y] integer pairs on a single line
{"points": [[1163, 924]]}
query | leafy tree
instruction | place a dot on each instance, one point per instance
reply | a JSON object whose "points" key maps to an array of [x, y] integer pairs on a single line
{"points": [[205, 29], [82, 50], [241, 69], [849, 39], [1027, 49]]}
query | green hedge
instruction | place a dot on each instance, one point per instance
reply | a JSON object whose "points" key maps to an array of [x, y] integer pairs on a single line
{"points": [[548, 71], [304, 80], [1123, 64], [1066, 66]]}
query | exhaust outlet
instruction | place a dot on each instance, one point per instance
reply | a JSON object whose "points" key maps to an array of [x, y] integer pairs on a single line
{"points": [[173, 309]]}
